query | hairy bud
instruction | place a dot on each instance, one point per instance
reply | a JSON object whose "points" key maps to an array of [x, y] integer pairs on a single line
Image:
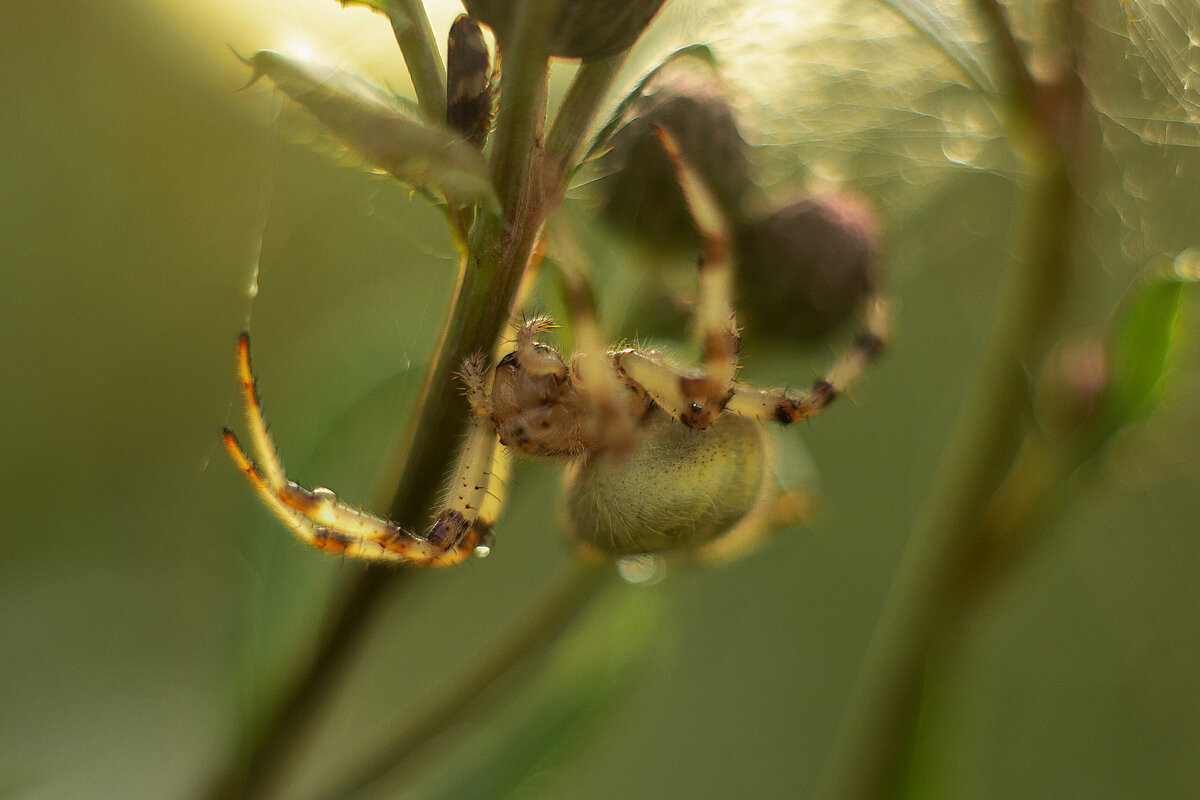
{"points": [[587, 29], [806, 266], [468, 82], [685, 97]]}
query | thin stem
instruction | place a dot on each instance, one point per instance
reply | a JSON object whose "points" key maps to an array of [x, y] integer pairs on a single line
{"points": [[255, 765], [525, 66], [518, 653], [577, 112], [1020, 80], [925, 601], [871, 746], [414, 34], [1039, 484], [496, 258]]}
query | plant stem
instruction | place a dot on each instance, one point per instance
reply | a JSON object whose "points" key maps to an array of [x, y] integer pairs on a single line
{"points": [[926, 600], [414, 34], [252, 768], [517, 653], [871, 746], [496, 257], [574, 120]]}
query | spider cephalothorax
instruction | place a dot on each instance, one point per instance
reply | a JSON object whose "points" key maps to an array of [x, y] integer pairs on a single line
{"points": [[534, 403], [662, 457]]}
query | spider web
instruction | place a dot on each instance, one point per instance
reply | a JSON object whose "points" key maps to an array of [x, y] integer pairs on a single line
{"points": [[1162, 45], [900, 97]]}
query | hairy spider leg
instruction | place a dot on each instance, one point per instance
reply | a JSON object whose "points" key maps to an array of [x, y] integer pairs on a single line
{"points": [[778, 405], [696, 399], [320, 519], [591, 366]]}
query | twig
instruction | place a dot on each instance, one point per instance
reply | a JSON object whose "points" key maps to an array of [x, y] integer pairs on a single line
{"points": [[488, 279], [517, 653], [255, 764], [414, 34], [574, 120]]}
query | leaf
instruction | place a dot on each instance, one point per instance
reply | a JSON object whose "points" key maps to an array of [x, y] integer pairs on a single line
{"points": [[400, 14], [1145, 336], [381, 130]]}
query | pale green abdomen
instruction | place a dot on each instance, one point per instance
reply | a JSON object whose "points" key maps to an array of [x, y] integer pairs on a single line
{"points": [[681, 488]]}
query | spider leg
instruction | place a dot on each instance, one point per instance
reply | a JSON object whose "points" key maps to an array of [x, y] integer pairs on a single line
{"points": [[474, 380], [461, 519], [778, 405], [696, 399], [591, 366], [320, 519]]}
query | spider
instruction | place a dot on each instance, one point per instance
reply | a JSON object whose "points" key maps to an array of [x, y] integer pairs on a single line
{"points": [[662, 457]]}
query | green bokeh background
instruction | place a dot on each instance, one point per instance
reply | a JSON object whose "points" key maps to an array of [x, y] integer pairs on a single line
{"points": [[148, 604]]}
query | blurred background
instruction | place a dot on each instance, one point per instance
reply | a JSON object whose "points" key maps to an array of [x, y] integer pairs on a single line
{"points": [[149, 606]]}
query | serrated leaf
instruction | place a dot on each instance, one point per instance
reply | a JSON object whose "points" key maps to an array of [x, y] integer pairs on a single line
{"points": [[1145, 335], [378, 127]]}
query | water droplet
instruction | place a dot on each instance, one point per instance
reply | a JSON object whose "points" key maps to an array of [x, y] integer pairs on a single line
{"points": [[1187, 265], [645, 570]]}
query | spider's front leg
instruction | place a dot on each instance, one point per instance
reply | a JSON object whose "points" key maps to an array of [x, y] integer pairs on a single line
{"points": [[664, 381], [320, 519]]}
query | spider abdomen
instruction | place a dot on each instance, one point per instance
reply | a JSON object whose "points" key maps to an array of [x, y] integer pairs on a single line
{"points": [[681, 488]]}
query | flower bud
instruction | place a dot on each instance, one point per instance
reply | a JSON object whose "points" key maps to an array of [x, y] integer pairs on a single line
{"points": [[588, 29], [806, 266], [1074, 381], [641, 193], [468, 82]]}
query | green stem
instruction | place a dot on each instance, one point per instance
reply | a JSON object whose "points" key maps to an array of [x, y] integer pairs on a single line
{"points": [[414, 34], [517, 654], [926, 601], [496, 257], [1044, 479], [871, 746], [574, 120], [255, 765]]}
